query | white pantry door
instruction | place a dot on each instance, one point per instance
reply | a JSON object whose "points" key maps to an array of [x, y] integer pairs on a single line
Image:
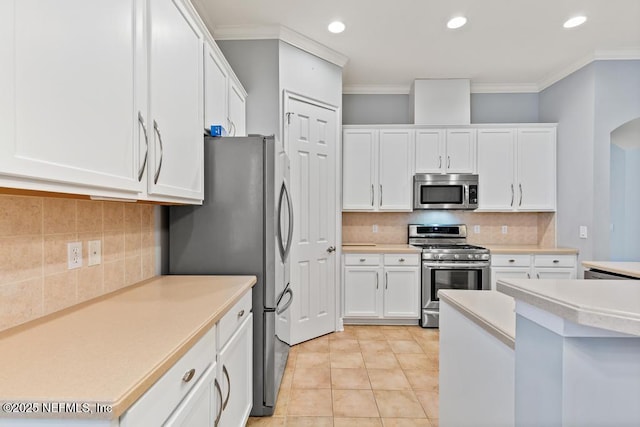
{"points": [[312, 138]]}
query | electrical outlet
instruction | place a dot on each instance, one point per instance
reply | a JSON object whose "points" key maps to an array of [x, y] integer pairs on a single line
{"points": [[95, 252], [375, 228], [583, 231], [476, 229], [505, 229], [74, 255]]}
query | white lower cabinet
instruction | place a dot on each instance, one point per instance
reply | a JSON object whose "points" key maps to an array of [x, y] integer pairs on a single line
{"points": [[532, 266], [380, 286]]}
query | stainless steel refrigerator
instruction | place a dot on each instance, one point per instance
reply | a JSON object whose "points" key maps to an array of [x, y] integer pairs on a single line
{"points": [[243, 227]]}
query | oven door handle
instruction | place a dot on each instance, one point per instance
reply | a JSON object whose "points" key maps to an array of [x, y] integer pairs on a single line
{"points": [[460, 265]]}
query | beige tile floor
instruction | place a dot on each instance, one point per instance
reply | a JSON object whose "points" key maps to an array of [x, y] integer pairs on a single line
{"points": [[364, 376]]}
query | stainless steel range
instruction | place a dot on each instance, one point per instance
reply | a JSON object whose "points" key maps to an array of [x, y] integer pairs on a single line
{"points": [[448, 262]]}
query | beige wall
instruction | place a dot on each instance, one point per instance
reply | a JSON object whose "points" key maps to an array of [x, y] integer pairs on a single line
{"points": [[34, 232], [522, 228]]}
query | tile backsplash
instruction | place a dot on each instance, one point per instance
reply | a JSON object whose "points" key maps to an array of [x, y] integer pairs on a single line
{"points": [[522, 228], [34, 232]]}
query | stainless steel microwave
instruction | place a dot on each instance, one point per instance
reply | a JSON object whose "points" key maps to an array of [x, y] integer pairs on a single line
{"points": [[450, 191]]}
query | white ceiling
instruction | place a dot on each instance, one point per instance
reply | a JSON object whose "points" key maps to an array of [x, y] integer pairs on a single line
{"points": [[516, 45]]}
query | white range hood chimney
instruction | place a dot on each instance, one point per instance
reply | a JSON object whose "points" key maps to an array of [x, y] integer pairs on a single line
{"points": [[441, 101]]}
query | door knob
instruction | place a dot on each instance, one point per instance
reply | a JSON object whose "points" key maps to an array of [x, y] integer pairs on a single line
{"points": [[331, 249]]}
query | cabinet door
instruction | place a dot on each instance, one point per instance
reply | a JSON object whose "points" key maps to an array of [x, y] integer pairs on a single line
{"points": [[554, 273], [395, 173], [215, 89], [496, 164], [176, 84], [536, 169], [358, 169], [362, 293], [498, 273], [237, 110], [199, 407], [430, 150], [69, 102], [461, 151], [402, 292], [235, 373]]}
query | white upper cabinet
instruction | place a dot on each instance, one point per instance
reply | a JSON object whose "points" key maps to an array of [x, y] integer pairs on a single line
{"points": [[517, 169], [176, 146], [496, 169], [237, 109], [445, 150], [377, 172], [395, 172], [537, 169], [215, 88], [358, 169], [70, 96]]}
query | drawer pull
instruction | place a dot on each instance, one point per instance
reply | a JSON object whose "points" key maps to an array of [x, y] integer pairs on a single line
{"points": [[362, 259], [241, 313], [226, 374], [537, 275], [556, 261], [512, 260], [401, 260], [528, 276], [188, 376]]}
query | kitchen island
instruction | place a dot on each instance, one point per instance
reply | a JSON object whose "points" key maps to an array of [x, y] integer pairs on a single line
{"points": [[575, 359], [88, 365], [627, 269]]}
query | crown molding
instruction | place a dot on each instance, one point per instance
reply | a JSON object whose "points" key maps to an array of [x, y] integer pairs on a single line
{"points": [[287, 35], [598, 55], [504, 88], [376, 90]]}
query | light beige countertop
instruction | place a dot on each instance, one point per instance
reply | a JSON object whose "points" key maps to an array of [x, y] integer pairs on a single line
{"points": [[492, 311], [529, 249], [112, 349], [606, 304], [627, 268], [379, 248]]}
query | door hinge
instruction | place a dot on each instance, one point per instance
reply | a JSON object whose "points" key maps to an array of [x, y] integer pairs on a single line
{"points": [[288, 117]]}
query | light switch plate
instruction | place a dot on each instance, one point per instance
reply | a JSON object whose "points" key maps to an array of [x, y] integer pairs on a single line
{"points": [[375, 228], [505, 229], [476, 229], [583, 231], [95, 252]]}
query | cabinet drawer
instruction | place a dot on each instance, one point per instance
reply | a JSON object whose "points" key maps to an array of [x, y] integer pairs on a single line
{"points": [[233, 319], [362, 259], [511, 260], [554, 260], [157, 404], [401, 259]]}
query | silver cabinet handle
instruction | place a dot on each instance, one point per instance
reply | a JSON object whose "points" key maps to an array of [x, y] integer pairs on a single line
{"points": [[512, 260], [146, 143], [512, 194], [157, 131], [241, 313], [363, 259], [439, 162], [331, 249], [219, 414], [555, 261], [386, 280], [371, 195], [188, 376], [538, 275], [401, 260], [380, 195], [226, 374], [376, 280], [520, 204], [528, 276], [448, 162]]}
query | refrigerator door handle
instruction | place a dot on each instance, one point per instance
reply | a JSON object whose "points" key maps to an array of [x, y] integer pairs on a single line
{"points": [[284, 193], [287, 290]]}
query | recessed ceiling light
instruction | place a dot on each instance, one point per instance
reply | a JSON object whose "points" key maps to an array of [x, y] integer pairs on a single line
{"points": [[336, 27], [575, 21], [456, 22]]}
